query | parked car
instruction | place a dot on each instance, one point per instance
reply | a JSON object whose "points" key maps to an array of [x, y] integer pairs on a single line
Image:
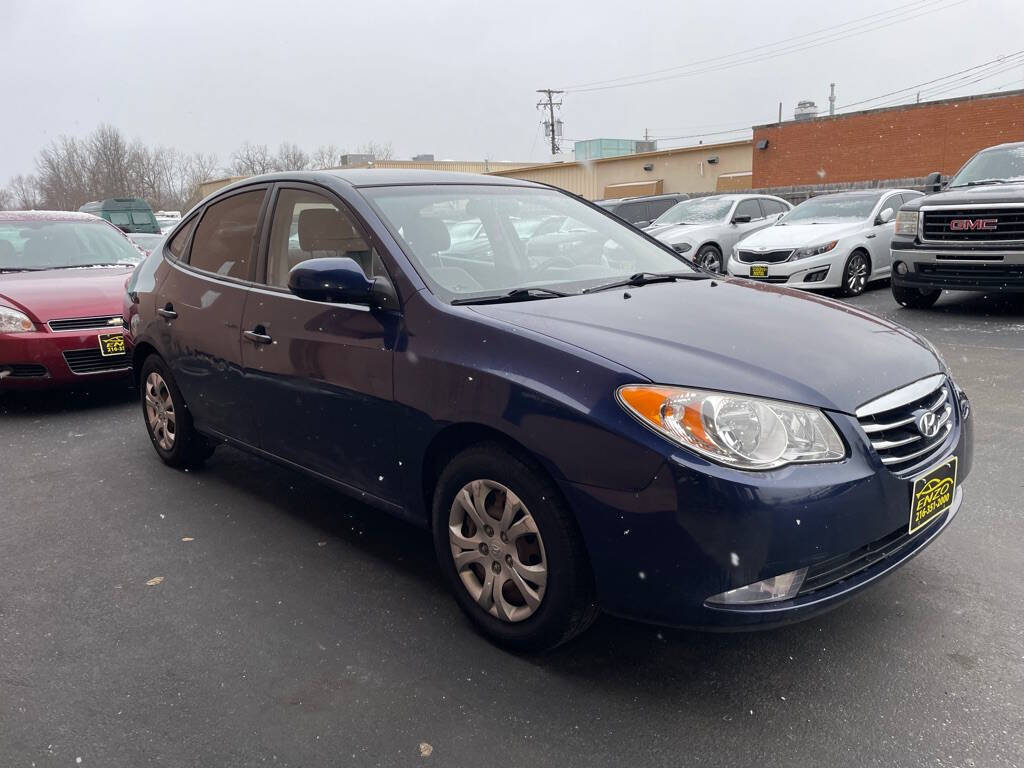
{"points": [[62, 279], [145, 241], [641, 211], [706, 228], [576, 435], [129, 214], [832, 241], [968, 238]]}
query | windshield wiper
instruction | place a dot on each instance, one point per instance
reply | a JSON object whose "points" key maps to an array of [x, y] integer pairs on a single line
{"points": [[646, 278], [980, 182], [516, 294]]}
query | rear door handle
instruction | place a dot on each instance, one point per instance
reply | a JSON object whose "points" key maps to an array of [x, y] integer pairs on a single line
{"points": [[257, 337], [167, 312]]}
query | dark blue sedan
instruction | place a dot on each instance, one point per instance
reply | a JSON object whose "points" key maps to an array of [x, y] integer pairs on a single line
{"points": [[585, 420]]}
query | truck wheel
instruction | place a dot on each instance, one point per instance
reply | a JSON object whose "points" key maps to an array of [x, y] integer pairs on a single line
{"points": [[914, 298], [511, 551]]}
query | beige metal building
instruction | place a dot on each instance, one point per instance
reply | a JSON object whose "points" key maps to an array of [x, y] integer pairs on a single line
{"points": [[462, 166], [704, 168]]}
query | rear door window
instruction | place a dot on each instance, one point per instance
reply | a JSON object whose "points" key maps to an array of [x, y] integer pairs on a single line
{"points": [[226, 237], [142, 217], [772, 207]]}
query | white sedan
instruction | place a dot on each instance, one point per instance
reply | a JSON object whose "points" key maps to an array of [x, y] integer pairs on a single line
{"points": [[832, 241]]}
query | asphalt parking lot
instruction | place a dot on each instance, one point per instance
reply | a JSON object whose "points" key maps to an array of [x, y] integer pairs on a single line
{"points": [[243, 615]]}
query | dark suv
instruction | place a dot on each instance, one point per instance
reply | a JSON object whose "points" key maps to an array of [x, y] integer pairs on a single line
{"points": [[969, 237], [641, 211]]}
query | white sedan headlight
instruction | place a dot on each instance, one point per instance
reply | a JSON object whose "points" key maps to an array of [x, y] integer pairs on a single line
{"points": [[681, 247], [737, 430], [814, 250], [13, 321], [906, 223]]}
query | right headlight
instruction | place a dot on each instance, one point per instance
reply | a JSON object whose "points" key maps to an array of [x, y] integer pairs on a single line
{"points": [[736, 430], [13, 321], [906, 223], [682, 247]]}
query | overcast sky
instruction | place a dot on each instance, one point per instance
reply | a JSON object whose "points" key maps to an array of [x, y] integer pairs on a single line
{"points": [[454, 78]]}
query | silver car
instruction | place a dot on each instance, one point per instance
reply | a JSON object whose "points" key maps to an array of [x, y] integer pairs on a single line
{"points": [[707, 227]]}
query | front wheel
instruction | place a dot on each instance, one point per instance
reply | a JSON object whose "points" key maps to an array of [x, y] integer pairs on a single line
{"points": [[167, 419], [511, 551], [710, 259], [855, 274], [914, 298]]}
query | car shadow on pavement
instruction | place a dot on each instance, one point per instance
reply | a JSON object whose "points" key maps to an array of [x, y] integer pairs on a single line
{"points": [[49, 401], [975, 304]]}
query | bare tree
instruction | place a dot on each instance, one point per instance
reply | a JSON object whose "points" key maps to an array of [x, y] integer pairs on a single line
{"points": [[380, 151], [291, 157], [327, 156], [251, 160], [24, 190], [110, 170], [192, 172], [6, 199], [63, 170]]}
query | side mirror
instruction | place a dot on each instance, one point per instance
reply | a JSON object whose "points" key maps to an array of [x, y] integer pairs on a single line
{"points": [[340, 281], [933, 182], [641, 224], [885, 216], [740, 219]]}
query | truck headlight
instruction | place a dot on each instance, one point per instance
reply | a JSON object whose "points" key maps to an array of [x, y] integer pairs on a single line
{"points": [[906, 223], [13, 321], [814, 250], [736, 430]]}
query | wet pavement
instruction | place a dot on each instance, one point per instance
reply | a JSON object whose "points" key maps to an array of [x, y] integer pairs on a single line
{"points": [[245, 615]]}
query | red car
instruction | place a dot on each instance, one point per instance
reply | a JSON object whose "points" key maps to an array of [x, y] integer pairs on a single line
{"points": [[62, 279]]}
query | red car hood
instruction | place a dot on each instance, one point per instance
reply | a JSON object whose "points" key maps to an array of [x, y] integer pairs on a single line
{"points": [[57, 293]]}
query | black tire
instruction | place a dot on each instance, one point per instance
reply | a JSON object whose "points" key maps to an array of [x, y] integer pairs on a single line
{"points": [[188, 448], [710, 258], [854, 285], [914, 298], [567, 606]]}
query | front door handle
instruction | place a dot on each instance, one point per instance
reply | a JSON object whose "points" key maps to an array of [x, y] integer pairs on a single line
{"points": [[167, 312], [258, 335]]}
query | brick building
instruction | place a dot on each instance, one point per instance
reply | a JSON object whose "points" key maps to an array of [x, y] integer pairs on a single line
{"points": [[889, 143]]}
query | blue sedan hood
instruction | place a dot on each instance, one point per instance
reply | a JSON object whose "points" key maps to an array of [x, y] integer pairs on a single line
{"points": [[736, 336]]}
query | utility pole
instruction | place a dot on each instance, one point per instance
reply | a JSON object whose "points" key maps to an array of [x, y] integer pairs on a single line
{"points": [[832, 101], [552, 127]]}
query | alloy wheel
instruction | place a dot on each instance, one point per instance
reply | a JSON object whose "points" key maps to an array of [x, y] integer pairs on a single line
{"points": [[160, 415], [857, 274], [710, 261], [497, 550]]}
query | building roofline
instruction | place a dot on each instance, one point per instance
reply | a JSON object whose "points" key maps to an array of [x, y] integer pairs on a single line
{"points": [[921, 105], [637, 156]]}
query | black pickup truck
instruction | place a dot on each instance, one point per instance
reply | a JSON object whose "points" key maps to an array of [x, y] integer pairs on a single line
{"points": [[969, 237]]}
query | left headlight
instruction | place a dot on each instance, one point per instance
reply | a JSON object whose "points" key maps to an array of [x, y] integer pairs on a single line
{"points": [[13, 321], [736, 430], [906, 223], [814, 250], [681, 247]]}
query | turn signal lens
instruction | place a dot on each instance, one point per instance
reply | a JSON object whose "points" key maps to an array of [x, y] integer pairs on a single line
{"points": [[13, 321], [781, 587], [736, 430]]}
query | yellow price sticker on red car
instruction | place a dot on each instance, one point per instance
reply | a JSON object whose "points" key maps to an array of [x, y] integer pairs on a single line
{"points": [[111, 344]]}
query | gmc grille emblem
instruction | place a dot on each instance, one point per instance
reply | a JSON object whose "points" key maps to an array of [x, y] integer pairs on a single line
{"points": [[958, 225]]}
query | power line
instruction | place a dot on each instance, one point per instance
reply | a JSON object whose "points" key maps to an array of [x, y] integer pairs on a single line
{"points": [[828, 39], [999, 65]]}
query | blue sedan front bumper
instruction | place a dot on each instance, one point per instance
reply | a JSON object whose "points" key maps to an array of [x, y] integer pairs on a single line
{"points": [[699, 529]]}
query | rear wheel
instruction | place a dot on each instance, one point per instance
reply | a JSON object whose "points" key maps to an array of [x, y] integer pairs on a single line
{"points": [[511, 551], [709, 258], [855, 274], [915, 298], [167, 419]]}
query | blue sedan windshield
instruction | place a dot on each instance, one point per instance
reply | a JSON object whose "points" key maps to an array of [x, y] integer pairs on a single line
{"points": [[587, 247]]}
